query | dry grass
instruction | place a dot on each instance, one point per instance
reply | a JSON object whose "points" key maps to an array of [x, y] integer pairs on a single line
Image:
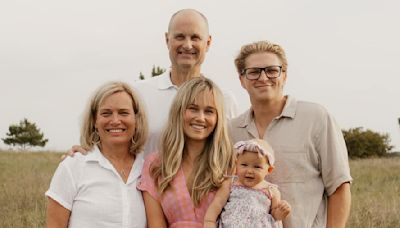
{"points": [[375, 193], [24, 177]]}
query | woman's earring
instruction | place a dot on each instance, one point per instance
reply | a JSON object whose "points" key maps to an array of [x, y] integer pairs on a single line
{"points": [[95, 137]]}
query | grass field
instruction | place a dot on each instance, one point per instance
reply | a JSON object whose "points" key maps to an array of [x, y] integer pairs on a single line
{"points": [[24, 177]]}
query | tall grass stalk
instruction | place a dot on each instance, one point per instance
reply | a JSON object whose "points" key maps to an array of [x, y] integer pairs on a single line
{"points": [[24, 177]]}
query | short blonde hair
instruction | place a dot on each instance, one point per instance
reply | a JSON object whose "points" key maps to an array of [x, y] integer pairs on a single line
{"points": [[259, 47], [89, 118]]}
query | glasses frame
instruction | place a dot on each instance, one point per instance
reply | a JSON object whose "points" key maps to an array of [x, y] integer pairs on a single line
{"points": [[244, 72]]}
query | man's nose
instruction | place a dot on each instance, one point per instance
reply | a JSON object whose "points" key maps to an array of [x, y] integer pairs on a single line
{"points": [[263, 76], [187, 44]]}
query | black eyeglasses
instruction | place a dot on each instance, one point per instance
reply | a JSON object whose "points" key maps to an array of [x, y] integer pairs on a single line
{"points": [[254, 73]]}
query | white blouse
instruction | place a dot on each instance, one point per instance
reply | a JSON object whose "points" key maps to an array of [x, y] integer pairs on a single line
{"points": [[91, 188]]}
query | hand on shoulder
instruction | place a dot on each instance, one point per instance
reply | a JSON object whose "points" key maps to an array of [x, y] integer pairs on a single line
{"points": [[74, 149]]}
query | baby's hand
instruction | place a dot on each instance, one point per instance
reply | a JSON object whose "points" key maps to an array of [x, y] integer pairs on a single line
{"points": [[281, 211]]}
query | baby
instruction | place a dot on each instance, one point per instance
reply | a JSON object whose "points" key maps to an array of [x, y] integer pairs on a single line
{"points": [[253, 202]]}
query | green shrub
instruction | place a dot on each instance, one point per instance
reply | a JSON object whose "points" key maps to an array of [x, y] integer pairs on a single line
{"points": [[366, 143]]}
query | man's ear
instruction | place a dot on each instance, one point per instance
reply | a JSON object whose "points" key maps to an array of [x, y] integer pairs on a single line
{"points": [[166, 38], [284, 75], [209, 41], [241, 82]]}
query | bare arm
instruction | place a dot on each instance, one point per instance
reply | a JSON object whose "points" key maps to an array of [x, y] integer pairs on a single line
{"points": [[154, 212], [339, 206], [280, 209], [57, 215], [218, 203]]}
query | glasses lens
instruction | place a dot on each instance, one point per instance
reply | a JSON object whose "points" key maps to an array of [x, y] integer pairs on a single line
{"points": [[273, 71], [253, 73]]}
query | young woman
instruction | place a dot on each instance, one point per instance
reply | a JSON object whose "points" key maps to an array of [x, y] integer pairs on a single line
{"points": [[179, 182]]}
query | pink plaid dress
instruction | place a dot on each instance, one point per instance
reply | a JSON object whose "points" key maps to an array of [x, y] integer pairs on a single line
{"points": [[176, 203]]}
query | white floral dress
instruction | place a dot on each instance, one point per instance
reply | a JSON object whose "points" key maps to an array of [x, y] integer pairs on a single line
{"points": [[247, 207]]}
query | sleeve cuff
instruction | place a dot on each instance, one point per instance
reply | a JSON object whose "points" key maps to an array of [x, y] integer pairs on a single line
{"points": [[59, 200]]}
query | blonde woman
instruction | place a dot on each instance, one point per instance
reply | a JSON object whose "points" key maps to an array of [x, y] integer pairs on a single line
{"points": [[179, 182], [99, 189]]}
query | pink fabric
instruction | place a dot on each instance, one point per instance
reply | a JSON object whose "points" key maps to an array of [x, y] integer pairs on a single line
{"points": [[176, 202]]}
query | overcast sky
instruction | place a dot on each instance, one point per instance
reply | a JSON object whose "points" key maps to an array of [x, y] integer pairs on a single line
{"points": [[344, 55]]}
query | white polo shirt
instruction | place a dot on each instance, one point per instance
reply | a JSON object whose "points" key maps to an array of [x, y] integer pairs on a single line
{"points": [[157, 93], [91, 188]]}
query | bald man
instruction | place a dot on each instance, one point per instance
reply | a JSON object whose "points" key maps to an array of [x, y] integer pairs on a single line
{"points": [[188, 41]]}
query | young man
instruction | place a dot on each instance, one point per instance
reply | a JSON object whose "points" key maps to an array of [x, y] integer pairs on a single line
{"points": [[311, 168]]}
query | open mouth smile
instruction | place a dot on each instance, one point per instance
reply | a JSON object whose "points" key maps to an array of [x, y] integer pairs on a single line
{"points": [[117, 130], [198, 126]]}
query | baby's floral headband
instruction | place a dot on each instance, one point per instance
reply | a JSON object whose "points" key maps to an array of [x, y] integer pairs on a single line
{"points": [[252, 146]]}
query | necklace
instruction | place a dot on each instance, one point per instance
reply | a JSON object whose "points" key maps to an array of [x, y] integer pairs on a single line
{"points": [[124, 170]]}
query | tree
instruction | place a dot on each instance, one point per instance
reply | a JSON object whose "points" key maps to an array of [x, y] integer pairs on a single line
{"points": [[366, 143], [155, 71], [24, 134], [141, 76]]}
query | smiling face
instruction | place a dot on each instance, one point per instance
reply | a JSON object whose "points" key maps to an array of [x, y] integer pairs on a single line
{"points": [[187, 40], [200, 118], [251, 168], [263, 89], [115, 120]]}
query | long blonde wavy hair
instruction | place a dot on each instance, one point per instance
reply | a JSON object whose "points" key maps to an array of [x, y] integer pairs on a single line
{"points": [[217, 156]]}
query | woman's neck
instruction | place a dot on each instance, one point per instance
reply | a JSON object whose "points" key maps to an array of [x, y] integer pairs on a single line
{"points": [[120, 158], [115, 152], [192, 150]]}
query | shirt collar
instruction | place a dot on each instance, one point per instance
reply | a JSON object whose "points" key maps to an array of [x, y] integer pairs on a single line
{"points": [[164, 81], [289, 110], [96, 156], [137, 167]]}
